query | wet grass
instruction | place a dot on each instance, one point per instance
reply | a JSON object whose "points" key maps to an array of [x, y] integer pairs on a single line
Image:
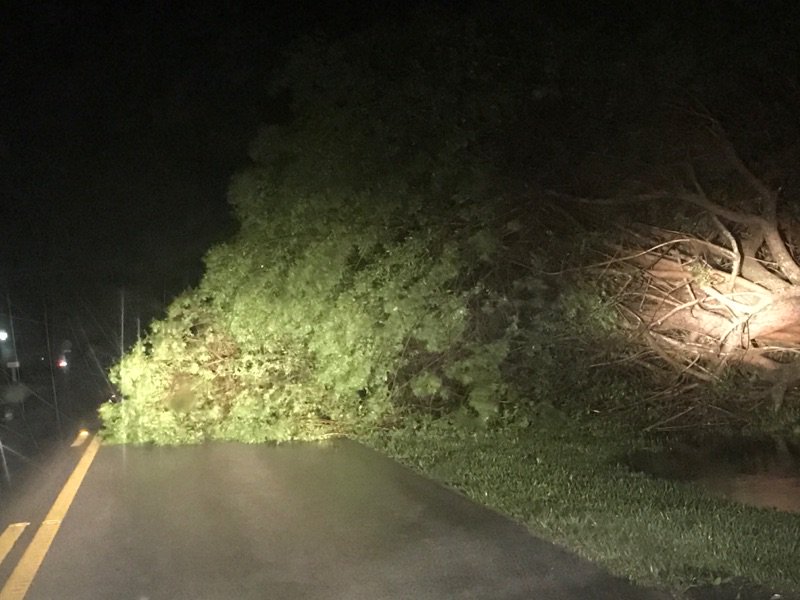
{"points": [[566, 481]]}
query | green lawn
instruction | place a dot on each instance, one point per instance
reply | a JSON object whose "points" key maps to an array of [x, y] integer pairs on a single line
{"points": [[564, 480]]}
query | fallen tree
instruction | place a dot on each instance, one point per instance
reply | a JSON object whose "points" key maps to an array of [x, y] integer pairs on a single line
{"points": [[723, 296]]}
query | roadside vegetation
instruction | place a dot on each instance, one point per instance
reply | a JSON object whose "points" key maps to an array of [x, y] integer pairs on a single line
{"points": [[454, 260], [566, 479]]}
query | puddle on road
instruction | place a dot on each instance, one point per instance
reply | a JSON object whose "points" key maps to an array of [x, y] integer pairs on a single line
{"points": [[763, 472]]}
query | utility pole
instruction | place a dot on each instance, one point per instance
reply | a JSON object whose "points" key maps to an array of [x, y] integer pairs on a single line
{"points": [[14, 363], [52, 375], [122, 324]]}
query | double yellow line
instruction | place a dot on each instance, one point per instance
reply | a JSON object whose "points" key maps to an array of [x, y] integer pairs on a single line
{"points": [[21, 578]]}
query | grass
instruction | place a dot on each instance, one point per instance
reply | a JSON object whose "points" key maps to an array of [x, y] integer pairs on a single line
{"points": [[563, 478]]}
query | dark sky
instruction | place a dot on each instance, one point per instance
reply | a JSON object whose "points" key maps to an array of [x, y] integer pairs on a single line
{"points": [[119, 129], [121, 123], [120, 126]]}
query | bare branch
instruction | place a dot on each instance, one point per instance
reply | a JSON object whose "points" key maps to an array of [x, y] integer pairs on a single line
{"points": [[597, 201], [728, 302], [768, 197], [752, 268], [769, 200], [721, 211], [674, 310], [737, 261]]}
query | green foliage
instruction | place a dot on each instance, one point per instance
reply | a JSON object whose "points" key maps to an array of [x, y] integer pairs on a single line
{"points": [[371, 279], [565, 479], [589, 312]]}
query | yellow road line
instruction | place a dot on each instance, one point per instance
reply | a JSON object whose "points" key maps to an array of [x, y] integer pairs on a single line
{"points": [[10, 537], [21, 578], [80, 438]]}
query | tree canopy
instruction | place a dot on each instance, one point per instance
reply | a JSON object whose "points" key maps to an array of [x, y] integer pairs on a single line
{"points": [[411, 239]]}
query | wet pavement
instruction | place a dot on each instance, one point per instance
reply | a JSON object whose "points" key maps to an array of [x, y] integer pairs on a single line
{"points": [[310, 521]]}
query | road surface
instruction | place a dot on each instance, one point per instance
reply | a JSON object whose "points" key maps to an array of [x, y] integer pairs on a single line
{"points": [[297, 521]]}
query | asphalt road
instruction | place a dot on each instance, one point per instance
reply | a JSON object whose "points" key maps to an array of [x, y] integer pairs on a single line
{"points": [[297, 521]]}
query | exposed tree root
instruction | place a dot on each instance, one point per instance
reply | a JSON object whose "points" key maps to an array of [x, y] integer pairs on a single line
{"points": [[729, 297]]}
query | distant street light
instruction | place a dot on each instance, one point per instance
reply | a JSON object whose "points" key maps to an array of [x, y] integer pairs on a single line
{"points": [[3, 335]]}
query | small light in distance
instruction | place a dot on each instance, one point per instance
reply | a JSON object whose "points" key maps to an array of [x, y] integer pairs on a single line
{"points": [[3, 335], [62, 363]]}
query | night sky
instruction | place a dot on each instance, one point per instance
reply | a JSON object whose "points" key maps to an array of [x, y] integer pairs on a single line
{"points": [[120, 129], [122, 124]]}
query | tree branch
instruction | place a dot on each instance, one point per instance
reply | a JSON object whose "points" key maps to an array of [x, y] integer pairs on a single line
{"points": [[769, 201]]}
